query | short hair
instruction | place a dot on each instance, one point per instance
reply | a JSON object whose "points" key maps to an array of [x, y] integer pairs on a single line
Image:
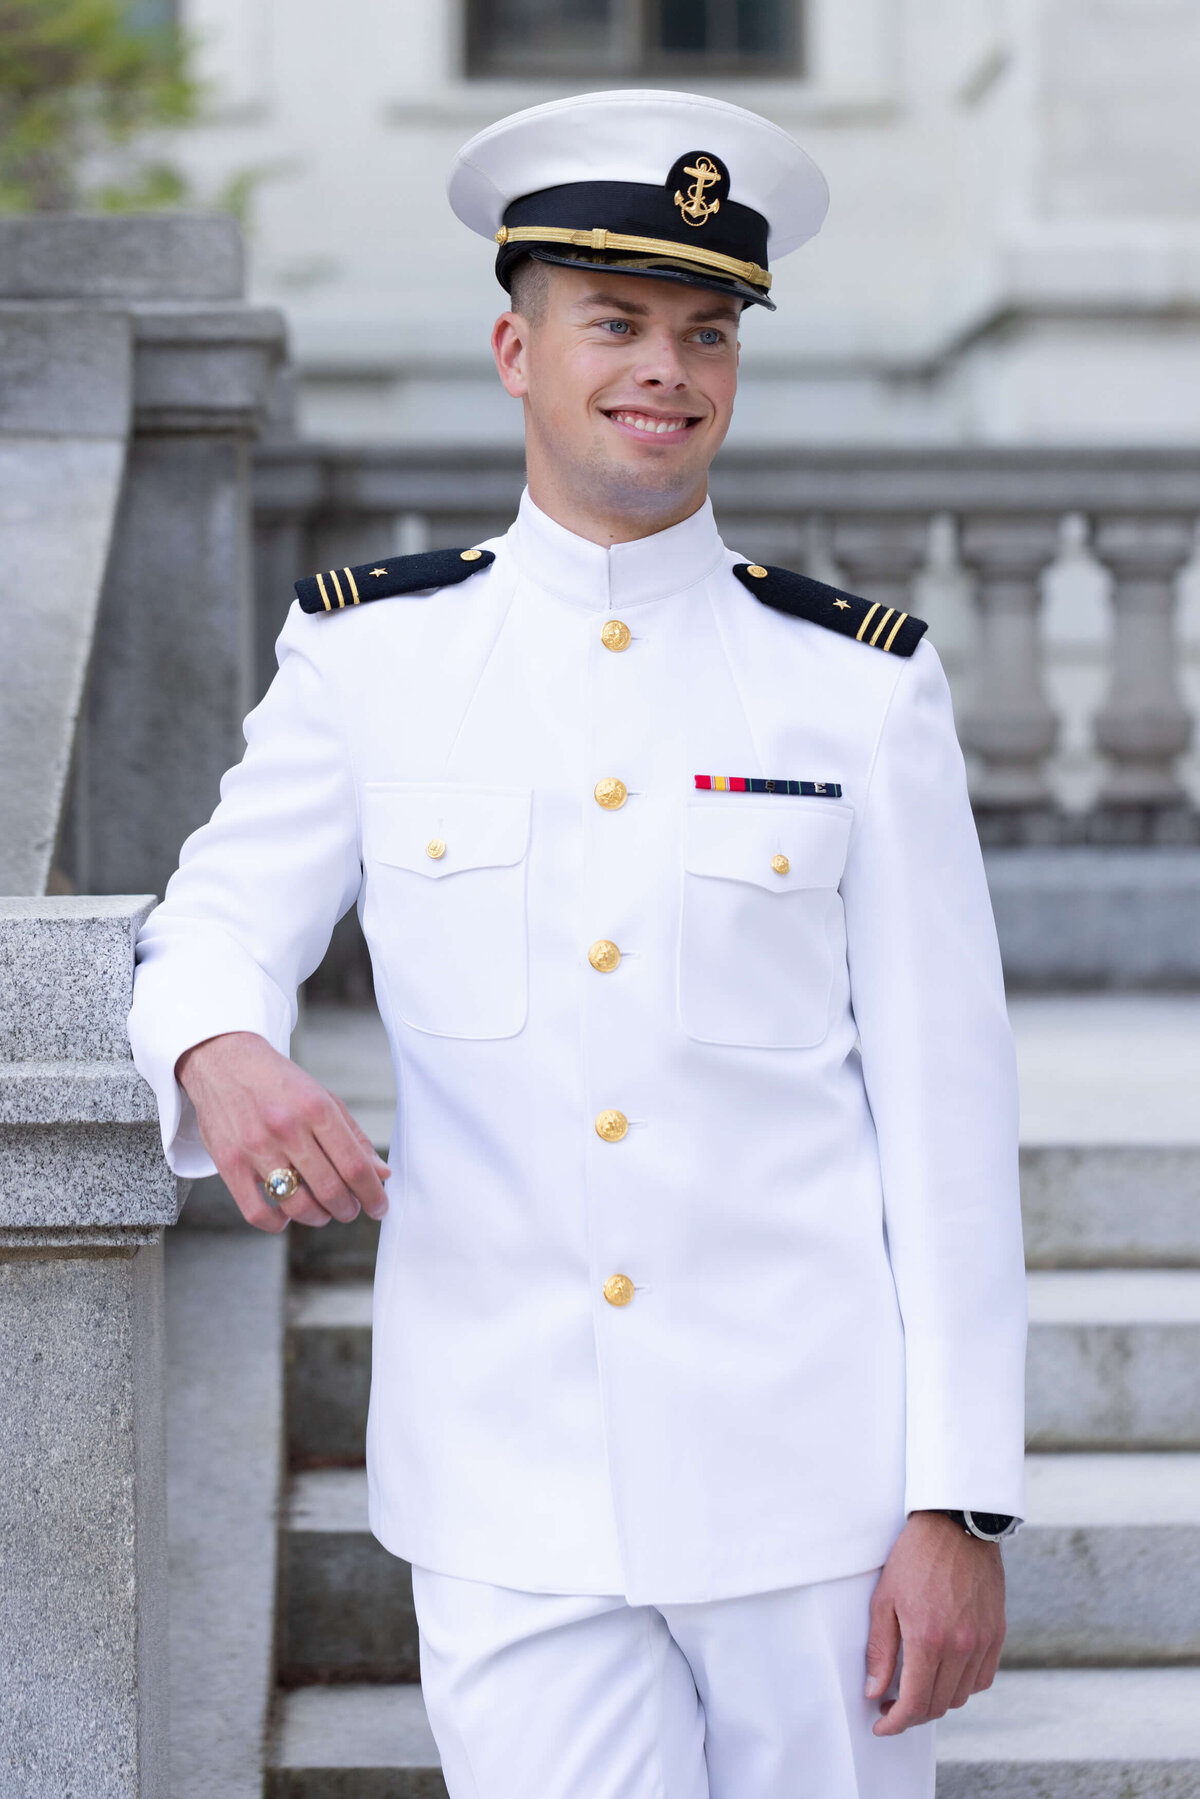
{"points": [[529, 288]]}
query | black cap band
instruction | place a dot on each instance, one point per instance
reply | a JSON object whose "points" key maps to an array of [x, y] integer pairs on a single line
{"points": [[726, 249]]}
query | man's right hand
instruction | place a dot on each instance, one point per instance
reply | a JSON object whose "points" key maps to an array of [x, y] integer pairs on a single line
{"points": [[257, 1112]]}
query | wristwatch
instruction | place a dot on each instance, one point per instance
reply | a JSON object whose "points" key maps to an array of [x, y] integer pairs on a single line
{"points": [[988, 1527]]}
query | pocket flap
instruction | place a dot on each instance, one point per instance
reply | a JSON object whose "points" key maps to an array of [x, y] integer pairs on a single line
{"points": [[739, 841], [442, 830]]}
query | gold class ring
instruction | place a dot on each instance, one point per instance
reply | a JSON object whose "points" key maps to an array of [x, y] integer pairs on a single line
{"points": [[281, 1183]]}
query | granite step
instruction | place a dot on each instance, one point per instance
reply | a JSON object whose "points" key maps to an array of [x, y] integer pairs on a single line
{"points": [[1112, 1359], [1111, 1205], [1106, 1572], [346, 1605], [1112, 1363], [1075, 1733], [336, 1252], [328, 1371], [354, 1742], [1127, 1733], [1107, 1568]]}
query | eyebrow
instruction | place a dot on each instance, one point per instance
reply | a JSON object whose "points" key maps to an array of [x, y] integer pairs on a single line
{"points": [[602, 299], [635, 308]]}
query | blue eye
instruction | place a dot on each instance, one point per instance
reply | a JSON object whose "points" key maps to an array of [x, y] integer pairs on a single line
{"points": [[709, 335], [617, 326]]}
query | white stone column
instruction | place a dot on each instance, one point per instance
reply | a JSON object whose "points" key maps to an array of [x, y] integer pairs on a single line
{"points": [[1010, 725], [882, 555], [84, 1197], [1143, 726]]}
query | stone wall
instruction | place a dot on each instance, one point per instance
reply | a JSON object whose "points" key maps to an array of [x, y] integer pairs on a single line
{"points": [[133, 378]]}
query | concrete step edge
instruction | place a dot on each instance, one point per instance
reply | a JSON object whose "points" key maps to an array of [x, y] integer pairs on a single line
{"points": [[1111, 1490], [1085, 1296], [1044, 1722], [1078, 1717]]}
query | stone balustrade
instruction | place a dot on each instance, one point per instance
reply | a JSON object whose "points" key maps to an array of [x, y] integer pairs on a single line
{"points": [[133, 376], [84, 1198], [970, 537]]}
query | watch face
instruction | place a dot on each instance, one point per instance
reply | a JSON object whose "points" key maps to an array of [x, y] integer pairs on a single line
{"points": [[990, 1524]]}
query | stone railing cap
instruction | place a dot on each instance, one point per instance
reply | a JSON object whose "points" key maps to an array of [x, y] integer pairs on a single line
{"points": [[150, 256], [66, 976]]}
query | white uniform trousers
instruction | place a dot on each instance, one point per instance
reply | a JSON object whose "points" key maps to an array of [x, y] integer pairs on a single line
{"points": [[585, 1697]]}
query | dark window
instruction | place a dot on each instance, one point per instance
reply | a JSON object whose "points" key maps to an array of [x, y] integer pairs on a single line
{"points": [[633, 37]]}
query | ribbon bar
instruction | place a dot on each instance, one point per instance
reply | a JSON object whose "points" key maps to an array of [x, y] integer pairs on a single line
{"points": [[831, 790]]}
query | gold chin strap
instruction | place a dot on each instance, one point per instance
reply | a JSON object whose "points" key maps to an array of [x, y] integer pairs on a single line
{"points": [[620, 240]]}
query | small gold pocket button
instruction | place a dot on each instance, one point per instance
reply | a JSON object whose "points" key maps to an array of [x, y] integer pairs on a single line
{"points": [[780, 864], [611, 793], [435, 849]]}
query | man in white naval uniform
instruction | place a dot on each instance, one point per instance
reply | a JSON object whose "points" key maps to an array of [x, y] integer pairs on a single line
{"points": [[699, 1298]]}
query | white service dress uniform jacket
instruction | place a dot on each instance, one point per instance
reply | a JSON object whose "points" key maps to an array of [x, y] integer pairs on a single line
{"points": [[816, 1198]]}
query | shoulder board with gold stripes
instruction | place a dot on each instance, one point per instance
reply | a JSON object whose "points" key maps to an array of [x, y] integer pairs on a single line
{"points": [[336, 588], [883, 627]]}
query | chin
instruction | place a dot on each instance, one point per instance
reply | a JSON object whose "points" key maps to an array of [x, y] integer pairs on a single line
{"points": [[634, 490], [647, 475]]}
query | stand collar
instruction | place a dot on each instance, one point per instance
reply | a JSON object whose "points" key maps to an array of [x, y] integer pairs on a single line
{"points": [[629, 574]]}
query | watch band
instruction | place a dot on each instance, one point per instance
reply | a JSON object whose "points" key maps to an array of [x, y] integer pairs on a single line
{"points": [[987, 1527]]}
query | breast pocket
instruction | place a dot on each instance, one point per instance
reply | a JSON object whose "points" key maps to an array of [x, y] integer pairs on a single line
{"points": [[445, 905], [762, 929]]}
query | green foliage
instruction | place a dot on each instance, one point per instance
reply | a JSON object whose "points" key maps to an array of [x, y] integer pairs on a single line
{"points": [[80, 88]]}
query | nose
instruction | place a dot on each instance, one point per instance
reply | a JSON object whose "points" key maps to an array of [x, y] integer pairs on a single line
{"points": [[661, 365]]}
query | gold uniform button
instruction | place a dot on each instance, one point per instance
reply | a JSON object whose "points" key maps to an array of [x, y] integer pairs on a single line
{"points": [[435, 848], [780, 864], [618, 1289], [757, 570], [469, 555], [604, 956], [611, 793], [612, 1126], [616, 635]]}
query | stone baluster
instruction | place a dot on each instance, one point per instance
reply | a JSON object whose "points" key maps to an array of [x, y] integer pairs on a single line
{"points": [[410, 531], [84, 1197], [286, 501], [1143, 726], [881, 555], [1010, 724]]}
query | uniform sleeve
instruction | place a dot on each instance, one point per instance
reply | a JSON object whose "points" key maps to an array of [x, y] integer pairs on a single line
{"points": [[248, 915], [940, 1072]]}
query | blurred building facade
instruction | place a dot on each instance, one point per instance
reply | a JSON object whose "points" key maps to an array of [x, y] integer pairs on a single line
{"points": [[1012, 254]]}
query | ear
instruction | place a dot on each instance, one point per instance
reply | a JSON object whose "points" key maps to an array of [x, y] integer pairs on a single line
{"points": [[510, 342]]}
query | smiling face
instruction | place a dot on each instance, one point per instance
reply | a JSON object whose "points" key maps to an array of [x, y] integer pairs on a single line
{"points": [[628, 386]]}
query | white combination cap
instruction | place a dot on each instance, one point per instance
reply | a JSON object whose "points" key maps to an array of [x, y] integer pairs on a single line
{"points": [[671, 185]]}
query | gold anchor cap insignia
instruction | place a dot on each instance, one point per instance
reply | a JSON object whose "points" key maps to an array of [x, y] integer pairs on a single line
{"points": [[706, 172]]}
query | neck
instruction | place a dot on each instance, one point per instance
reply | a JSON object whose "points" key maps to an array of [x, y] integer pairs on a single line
{"points": [[600, 518]]}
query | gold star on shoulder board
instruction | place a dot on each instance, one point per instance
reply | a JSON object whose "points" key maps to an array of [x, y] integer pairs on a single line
{"points": [[379, 571], [842, 605]]}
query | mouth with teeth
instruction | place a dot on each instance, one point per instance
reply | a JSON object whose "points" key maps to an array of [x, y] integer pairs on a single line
{"points": [[662, 427]]}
